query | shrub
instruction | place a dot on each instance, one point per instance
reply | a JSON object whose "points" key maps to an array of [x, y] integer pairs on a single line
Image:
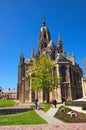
{"points": [[84, 107], [75, 103]]}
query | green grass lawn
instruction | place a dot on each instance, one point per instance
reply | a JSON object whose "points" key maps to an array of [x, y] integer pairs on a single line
{"points": [[45, 106], [29, 117], [7, 103]]}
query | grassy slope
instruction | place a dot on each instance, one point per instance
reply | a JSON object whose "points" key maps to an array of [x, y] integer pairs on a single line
{"points": [[45, 106], [7, 103], [29, 117]]}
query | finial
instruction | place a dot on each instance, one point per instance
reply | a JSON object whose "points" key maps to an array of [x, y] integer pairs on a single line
{"points": [[43, 22], [72, 54], [21, 55], [68, 54], [59, 38]]}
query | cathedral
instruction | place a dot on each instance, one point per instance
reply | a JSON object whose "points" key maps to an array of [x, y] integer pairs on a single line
{"points": [[65, 67]]}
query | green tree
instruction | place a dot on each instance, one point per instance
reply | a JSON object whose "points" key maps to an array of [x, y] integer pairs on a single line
{"points": [[42, 75]]}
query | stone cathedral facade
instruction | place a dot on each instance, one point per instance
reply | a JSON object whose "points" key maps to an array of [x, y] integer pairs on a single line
{"points": [[65, 66]]}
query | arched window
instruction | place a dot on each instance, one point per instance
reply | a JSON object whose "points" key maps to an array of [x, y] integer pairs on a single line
{"points": [[44, 36]]}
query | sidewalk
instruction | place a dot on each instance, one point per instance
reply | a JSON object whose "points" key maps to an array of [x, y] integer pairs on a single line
{"points": [[49, 116]]}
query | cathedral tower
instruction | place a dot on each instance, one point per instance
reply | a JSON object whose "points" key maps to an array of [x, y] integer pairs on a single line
{"points": [[44, 38]]}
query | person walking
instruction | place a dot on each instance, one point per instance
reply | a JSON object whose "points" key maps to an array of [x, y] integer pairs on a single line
{"points": [[36, 101], [38, 105], [51, 102], [54, 102]]}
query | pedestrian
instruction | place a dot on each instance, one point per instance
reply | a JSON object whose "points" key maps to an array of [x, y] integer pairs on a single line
{"points": [[36, 100], [51, 102], [38, 105], [54, 102]]}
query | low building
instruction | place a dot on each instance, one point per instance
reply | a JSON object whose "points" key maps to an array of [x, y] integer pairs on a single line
{"points": [[9, 94]]}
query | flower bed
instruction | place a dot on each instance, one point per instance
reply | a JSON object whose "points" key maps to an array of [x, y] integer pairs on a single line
{"points": [[62, 115]]}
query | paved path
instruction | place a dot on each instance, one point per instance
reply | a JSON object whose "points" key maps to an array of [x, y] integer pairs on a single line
{"points": [[53, 124], [66, 126], [49, 116]]}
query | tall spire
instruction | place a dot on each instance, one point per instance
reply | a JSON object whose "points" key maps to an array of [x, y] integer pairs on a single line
{"points": [[21, 55], [32, 53], [59, 37], [59, 40], [68, 54], [44, 37], [21, 58], [72, 54], [60, 45]]}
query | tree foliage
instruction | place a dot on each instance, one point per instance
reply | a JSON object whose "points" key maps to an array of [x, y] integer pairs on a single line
{"points": [[41, 74]]}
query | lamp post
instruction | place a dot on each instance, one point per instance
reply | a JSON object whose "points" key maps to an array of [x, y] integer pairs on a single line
{"points": [[0, 89]]}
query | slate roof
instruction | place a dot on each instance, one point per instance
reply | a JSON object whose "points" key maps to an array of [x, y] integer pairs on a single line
{"points": [[51, 44], [9, 91], [27, 60]]}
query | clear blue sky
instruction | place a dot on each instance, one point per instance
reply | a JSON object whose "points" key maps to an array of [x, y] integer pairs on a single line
{"points": [[20, 22]]}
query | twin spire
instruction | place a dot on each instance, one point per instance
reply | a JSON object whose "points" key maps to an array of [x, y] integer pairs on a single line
{"points": [[60, 45], [59, 37], [32, 53]]}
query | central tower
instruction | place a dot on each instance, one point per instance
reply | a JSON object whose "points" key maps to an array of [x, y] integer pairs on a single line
{"points": [[44, 38]]}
